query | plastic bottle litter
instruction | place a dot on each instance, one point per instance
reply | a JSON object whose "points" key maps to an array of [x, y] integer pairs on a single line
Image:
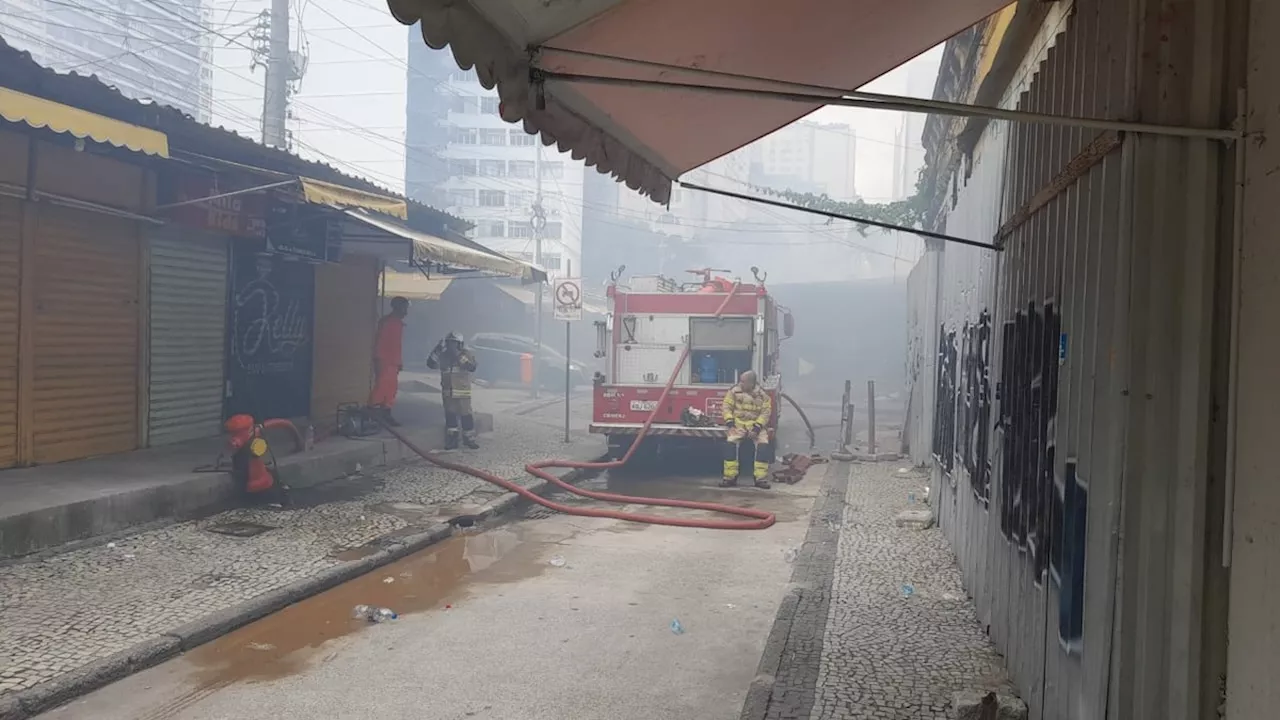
{"points": [[557, 561], [911, 498], [676, 627], [790, 555], [309, 441], [908, 590], [373, 614]]}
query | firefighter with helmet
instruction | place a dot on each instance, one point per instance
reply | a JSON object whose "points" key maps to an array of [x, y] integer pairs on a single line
{"points": [[746, 413], [456, 363]]}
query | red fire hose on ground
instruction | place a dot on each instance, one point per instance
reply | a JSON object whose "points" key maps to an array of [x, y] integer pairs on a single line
{"points": [[759, 519]]}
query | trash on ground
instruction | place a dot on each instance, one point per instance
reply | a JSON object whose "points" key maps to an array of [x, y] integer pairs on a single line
{"points": [[111, 545], [676, 627], [911, 498], [388, 580], [557, 561], [373, 614], [790, 555], [263, 647], [908, 590], [730, 605], [903, 470]]}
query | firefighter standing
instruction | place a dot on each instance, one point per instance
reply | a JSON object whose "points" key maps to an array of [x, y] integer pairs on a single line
{"points": [[746, 413], [388, 360], [456, 364]]}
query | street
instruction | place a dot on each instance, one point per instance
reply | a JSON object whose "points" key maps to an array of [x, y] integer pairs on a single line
{"points": [[493, 626]]}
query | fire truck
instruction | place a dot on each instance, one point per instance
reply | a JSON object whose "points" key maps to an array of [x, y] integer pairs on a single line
{"points": [[659, 331]]}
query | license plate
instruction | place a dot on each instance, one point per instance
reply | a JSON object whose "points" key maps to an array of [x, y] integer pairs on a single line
{"points": [[643, 405]]}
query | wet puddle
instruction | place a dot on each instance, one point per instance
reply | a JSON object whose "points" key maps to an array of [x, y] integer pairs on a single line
{"points": [[285, 642]]}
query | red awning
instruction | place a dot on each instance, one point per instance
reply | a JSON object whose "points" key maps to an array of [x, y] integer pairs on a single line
{"points": [[648, 136]]}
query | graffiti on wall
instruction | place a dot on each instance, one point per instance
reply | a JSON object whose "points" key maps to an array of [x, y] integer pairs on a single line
{"points": [[944, 416], [974, 426], [1028, 394]]}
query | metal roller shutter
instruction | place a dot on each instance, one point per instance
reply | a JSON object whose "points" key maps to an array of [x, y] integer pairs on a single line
{"points": [[10, 245], [85, 392], [188, 316], [347, 312]]}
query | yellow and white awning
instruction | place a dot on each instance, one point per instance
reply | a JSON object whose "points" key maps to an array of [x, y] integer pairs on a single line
{"points": [[320, 192], [414, 285], [42, 114], [428, 249]]}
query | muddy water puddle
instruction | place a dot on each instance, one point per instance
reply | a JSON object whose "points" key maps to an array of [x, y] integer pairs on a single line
{"points": [[287, 641]]}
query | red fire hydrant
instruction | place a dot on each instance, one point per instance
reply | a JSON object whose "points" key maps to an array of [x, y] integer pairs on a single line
{"points": [[252, 463]]}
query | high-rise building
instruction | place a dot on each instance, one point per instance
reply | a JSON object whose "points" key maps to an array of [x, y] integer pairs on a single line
{"points": [[463, 158], [148, 49], [819, 156]]}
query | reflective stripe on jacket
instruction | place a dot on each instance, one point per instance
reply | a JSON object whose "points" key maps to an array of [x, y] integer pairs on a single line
{"points": [[744, 409], [455, 372]]}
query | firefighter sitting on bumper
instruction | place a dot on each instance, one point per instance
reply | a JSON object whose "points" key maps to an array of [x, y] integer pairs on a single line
{"points": [[746, 414], [456, 364]]}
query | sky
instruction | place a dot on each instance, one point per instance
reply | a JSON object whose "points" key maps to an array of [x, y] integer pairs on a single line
{"points": [[350, 110]]}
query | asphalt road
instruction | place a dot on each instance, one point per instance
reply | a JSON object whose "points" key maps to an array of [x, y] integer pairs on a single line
{"points": [[543, 617]]}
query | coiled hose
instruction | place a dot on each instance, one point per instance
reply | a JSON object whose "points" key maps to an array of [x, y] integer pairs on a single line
{"points": [[758, 519]]}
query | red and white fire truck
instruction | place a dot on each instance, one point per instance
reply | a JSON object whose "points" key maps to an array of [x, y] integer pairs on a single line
{"points": [[654, 325]]}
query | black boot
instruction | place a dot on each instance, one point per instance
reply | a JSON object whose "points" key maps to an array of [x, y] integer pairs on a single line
{"points": [[469, 432], [451, 440], [470, 441]]}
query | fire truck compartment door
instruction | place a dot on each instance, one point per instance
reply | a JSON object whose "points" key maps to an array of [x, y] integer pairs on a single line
{"points": [[721, 333]]}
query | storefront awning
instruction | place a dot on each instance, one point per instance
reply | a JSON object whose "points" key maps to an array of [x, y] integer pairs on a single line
{"points": [[428, 249], [414, 285], [649, 136], [39, 113], [326, 193]]}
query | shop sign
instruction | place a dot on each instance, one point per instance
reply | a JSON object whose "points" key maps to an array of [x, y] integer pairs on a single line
{"points": [[238, 215], [304, 231]]}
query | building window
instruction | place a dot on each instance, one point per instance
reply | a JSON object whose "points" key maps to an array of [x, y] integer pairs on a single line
{"points": [[550, 262], [493, 137], [493, 228], [553, 169], [462, 168], [522, 138], [551, 231], [462, 136], [492, 168], [493, 198], [463, 104], [462, 198], [489, 106], [520, 168], [461, 75], [519, 198], [520, 230]]}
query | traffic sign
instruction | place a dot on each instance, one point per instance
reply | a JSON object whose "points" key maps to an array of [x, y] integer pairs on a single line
{"points": [[567, 295]]}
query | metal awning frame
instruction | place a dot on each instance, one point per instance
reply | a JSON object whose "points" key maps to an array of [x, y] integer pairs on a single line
{"points": [[819, 95]]}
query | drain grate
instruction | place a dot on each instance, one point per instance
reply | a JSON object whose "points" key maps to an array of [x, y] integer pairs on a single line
{"points": [[537, 512], [240, 529]]}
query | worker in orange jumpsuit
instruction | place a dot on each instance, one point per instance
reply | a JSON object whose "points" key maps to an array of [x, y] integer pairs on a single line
{"points": [[388, 360]]}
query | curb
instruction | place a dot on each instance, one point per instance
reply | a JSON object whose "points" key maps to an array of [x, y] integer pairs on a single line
{"points": [[87, 678], [808, 591]]}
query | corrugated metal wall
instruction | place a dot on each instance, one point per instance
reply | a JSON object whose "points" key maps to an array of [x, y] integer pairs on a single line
{"points": [[85, 393], [10, 271], [1074, 368], [188, 318]]}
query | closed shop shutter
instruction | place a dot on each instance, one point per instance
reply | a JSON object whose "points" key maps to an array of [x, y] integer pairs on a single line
{"points": [[85, 391], [188, 316], [346, 319], [10, 224]]}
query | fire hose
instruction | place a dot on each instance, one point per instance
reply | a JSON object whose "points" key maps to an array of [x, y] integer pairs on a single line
{"points": [[759, 519]]}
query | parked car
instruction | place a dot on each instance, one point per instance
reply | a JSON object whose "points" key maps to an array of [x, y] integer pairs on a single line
{"points": [[498, 359]]}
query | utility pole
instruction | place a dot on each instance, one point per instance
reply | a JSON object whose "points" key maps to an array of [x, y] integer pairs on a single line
{"points": [[275, 100], [539, 222]]}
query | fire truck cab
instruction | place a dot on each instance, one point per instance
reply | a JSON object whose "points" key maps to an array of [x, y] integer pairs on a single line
{"points": [[656, 327]]}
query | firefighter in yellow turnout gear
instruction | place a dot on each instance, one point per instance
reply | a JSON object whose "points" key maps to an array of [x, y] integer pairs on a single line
{"points": [[456, 364], [746, 414]]}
